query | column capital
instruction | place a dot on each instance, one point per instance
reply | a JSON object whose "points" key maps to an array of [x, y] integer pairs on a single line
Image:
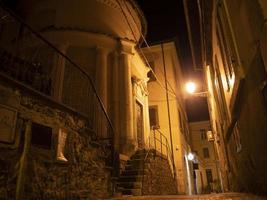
{"points": [[102, 50], [62, 47], [126, 46], [263, 44]]}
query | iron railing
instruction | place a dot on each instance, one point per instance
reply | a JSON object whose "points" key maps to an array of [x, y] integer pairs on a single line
{"points": [[26, 56], [27, 62], [158, 142], [27, 59]]}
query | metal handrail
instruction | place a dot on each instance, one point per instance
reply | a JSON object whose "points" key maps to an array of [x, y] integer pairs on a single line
{"points": [[151, 148], [64, 56], [102, 110], [168, 149]]}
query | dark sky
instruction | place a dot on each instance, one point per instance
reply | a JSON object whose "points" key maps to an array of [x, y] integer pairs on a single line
{"points": [[166, 20]]}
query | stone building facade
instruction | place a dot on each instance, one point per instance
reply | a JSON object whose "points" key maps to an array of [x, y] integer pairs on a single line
{"points": [[105, 50], [73, 97], [207, 178], [167, 114], [234, 39]]}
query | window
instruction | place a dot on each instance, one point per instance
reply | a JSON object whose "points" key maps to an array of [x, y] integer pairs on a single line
{"points": [[180, 121], [41, 136], [224, 48], [206, 152], [150, 73], [264, 92], [237, 138], [209, 176], [225, 64], [203, 134], [153, 116], [219, 92], [226, 36], [8, 120]]}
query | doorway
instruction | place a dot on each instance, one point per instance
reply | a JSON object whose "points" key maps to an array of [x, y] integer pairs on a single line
{"points": [[139, 124]]}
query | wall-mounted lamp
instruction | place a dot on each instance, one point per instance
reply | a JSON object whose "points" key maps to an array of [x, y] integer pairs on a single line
{"points": [[191, 88], [190, 156]]}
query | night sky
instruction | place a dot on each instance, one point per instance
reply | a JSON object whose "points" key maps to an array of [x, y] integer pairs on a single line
{"points": [[166, 20]]}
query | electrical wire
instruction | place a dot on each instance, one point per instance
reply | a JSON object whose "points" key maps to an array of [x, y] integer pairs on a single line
{"points": [[147, 45], [143, 55]]}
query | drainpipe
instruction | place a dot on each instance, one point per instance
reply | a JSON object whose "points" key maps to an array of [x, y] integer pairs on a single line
{"points": [[168, 108]]}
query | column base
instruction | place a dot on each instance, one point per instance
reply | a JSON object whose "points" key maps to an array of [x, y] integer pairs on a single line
{"points": [[128, 147]]}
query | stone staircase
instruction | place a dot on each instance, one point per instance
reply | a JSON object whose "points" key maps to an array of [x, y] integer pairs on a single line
{"points": [[130, 180]]}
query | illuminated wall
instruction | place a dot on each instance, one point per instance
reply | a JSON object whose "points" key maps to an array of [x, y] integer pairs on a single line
{"points": [[236, 79], [158, 103]]}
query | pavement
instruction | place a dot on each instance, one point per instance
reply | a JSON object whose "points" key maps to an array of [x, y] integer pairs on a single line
{"points": [[220, 196]]}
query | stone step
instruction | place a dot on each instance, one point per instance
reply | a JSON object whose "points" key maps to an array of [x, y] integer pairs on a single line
{"points": [[137, 178], [137, 162], [139, 166], [135, 172], [142, 156], [135, 192], [130, 185]]}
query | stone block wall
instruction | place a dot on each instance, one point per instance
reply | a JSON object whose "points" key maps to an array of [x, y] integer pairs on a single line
{"points": [[83, 176], [158, 179], [248, 165]]}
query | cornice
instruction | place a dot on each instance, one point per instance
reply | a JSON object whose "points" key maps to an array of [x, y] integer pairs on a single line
{"points": [[114, 4], [141, 16], [67, 28], [110, 3]]}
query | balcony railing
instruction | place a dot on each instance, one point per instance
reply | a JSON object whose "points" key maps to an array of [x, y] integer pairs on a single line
{"points": [[33, 63], [29, 73], [158, 144]]}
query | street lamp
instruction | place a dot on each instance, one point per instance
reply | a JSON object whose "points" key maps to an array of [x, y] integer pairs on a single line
{"points": [[191, 88], [190, 156]]}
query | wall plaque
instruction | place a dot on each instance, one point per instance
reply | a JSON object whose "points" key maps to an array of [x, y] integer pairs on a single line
{"points": [[8, 118], [62, 135]]}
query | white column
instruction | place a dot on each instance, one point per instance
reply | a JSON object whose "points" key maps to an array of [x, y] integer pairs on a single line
{"points": [[101, 74], [58, 72], [126, 108], [115, 102], [263, 44]]}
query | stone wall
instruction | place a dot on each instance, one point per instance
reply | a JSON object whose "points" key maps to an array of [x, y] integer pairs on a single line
{"points": [[249, 164], [158, 179], [82, 176]]}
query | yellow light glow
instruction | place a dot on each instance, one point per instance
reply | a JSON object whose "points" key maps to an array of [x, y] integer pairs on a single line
{"points": [[190, 156], [190, 87]]}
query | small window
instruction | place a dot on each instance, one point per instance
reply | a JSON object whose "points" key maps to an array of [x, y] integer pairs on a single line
{"points": [[206, 152], [209, 176], [153, 116], [237, 138], [41, 136], [150, 74], [180, 121], [264, 92], [203, 134]]}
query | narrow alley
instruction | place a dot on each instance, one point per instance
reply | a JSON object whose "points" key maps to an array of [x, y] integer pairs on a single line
{"points": [[222, 196], [133, 99]]}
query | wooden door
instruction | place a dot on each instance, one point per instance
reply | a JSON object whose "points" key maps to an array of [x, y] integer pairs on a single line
{"points": [[139, 124]]}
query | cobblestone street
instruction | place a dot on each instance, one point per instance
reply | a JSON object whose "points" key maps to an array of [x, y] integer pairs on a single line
{"points": [[223, 196]]}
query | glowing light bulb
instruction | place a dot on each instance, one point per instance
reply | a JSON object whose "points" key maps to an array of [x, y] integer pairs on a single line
{"points": [[190, 156], [190, 87]]}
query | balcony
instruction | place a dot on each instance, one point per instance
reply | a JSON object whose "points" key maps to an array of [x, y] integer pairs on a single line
{"points": [[31, 74], [32, 65]]}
